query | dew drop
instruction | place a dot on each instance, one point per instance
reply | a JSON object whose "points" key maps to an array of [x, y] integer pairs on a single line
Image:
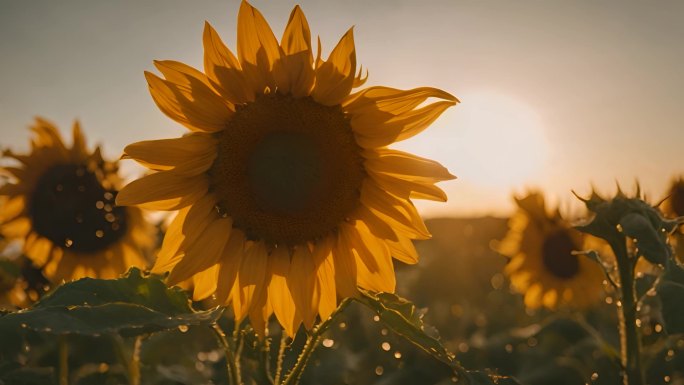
{"points": [[99, 205], [609, 300], [68, 242], [397, 354], [376, 318], [384, 331], [666, 378], [183, 328], [594, 376], [110, 217], [658, 328], [379, 370], [509, 348], [343, 326], [328, 343], [213, 356], [202, 356], [103, 367], [108, 196], [199, 366], [386, 346], [638, 323], [463, 347], [99, 233]]}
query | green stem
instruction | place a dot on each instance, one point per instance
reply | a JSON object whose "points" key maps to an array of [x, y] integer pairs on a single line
{"points": [[281, 356], [63, 360], [231, 364], [134, 367], [311, 343], [630, 338]]}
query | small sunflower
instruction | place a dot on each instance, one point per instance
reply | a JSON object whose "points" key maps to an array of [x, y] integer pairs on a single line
{"points": [[288, 195], [60, 201], [542, 265]]}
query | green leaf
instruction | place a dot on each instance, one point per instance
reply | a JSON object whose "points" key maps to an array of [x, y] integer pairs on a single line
{"points": [[132, 305], [402, 317], [671, 294]]}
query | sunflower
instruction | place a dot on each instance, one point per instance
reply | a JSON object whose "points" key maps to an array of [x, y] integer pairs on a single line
{"points": [[60, 201], [288, 196], [542, 265]]}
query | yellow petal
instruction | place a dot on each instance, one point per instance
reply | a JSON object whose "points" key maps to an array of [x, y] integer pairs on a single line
{"points": [[406, 166], [185, 228], [17, 228], [163, 190], [12, 208], [279, 293], [197, 107], [48, 135], [204, 283], [296, 44], [181, 73], [402, 214], [335, 77], [325, 282], [370, 101], [188, 155], [403, 250], [345, 267], [375, 130], [230, 264], [301, 280], [258, 51], [251, 277], [223, 69], [406, 189], [204, 252], [373, 260], [78, 147]]}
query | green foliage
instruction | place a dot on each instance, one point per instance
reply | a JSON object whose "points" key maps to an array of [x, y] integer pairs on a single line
{"points": [[132, 305], [402, 317], [671, 293]]}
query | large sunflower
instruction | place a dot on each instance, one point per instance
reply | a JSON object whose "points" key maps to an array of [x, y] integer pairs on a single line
{"points": [[542, 265], [289, 198], [60, 201]]}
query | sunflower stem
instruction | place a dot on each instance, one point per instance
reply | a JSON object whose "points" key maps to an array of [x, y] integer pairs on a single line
{"points": [[311, 343], [281, 356], [63, 360], [630, 338], [231, 364], [134, 367]]}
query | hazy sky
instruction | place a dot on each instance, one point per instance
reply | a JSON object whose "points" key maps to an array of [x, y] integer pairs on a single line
{"points": [[555, 94]]}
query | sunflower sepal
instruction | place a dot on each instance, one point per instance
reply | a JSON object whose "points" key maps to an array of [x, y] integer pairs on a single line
{"points": [[622, 218]]}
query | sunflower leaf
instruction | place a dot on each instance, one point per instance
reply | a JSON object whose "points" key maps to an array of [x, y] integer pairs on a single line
{"points": [[402, 316], [131, 305], [671, 293]]}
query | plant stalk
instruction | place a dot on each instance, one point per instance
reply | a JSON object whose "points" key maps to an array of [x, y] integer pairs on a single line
{"points": [[134, 367], [231, 364], [63, 360], [630, 337], [311, 343]]}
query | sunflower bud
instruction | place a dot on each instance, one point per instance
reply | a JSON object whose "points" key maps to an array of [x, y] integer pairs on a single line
{"points": [[622, 218]]}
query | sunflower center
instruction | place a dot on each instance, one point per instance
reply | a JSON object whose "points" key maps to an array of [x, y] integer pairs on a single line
{"points": [[71, 208], [557, 255], [287, 170]]}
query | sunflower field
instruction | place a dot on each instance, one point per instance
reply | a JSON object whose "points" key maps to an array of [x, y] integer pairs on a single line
{"points": [[275, 241]]}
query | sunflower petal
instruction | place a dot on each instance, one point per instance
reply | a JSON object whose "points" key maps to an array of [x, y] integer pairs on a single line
{"points": [[296, 44], [163, 190], [259, 51], [378, 130], [188, 155], [223, 69], [405, 166], [335, 77], [279, 293], [197, 107], [400, 212], [230, 264], [301, 280], [370, 101], [345, 267]]}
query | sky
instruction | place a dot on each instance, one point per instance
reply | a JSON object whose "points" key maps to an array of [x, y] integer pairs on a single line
{"points": [[556, 95]]}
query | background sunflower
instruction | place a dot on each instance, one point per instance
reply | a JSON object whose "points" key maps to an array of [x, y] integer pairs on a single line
{"points": [[541, 265], [60, 202]]}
